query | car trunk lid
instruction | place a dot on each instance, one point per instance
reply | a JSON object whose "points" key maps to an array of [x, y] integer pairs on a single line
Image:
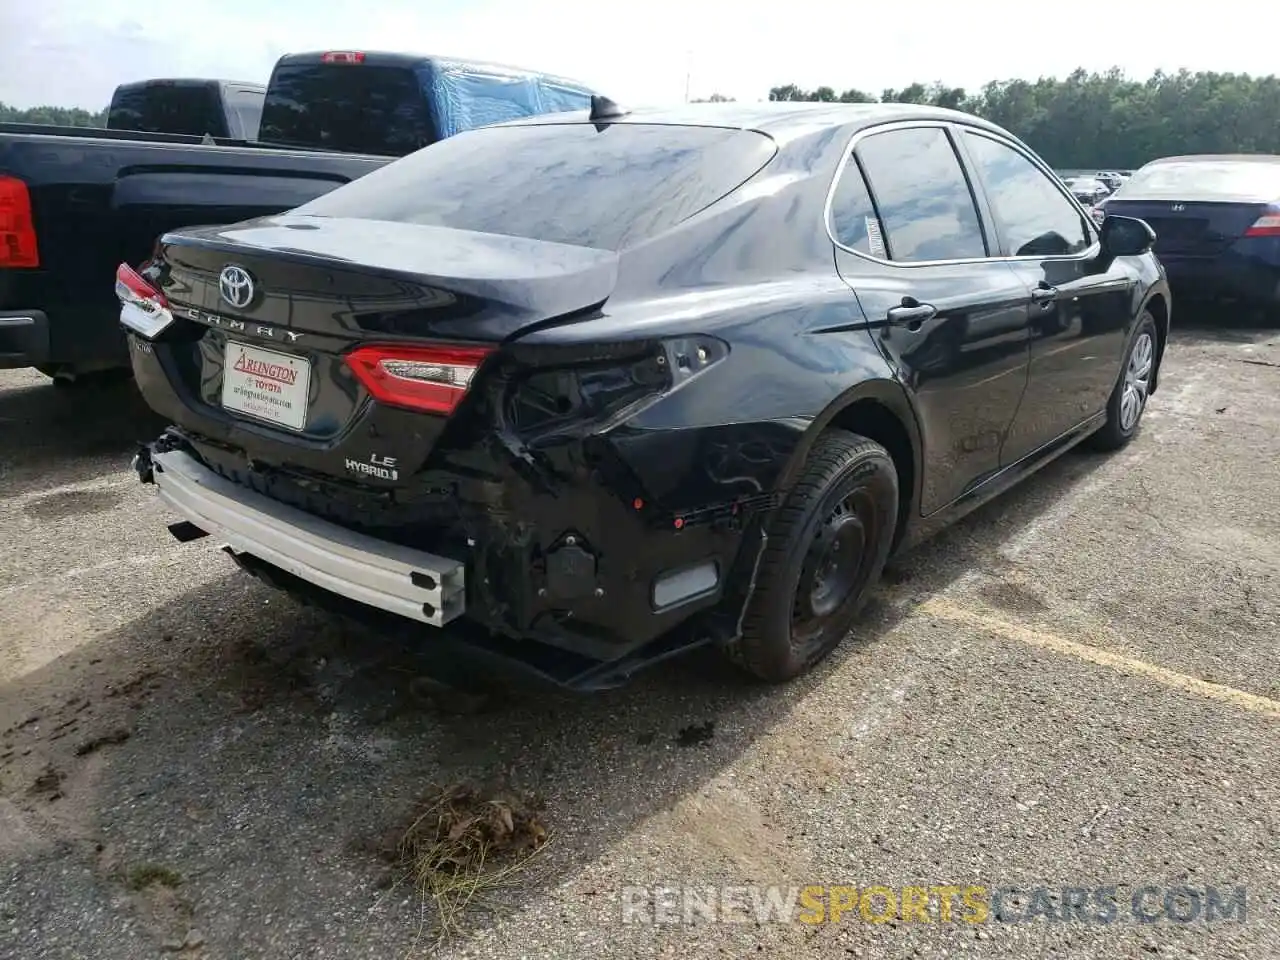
{"points": [[345, 348], [363, 278], [1191, 228]]}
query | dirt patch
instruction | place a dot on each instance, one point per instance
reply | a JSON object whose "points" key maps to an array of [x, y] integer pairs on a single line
{"points": [[1013, 598], [726, 827], [696, 734], [135, 685], [48, 784], [146, 875], [72, 503], [262, 676], [167, 915], [451, 701], [94, 744]]}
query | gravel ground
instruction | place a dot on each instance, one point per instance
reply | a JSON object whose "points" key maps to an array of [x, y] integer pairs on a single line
{"points": [[1075, 687]]}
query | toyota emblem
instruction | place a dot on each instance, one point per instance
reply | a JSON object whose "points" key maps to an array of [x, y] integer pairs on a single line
{"points": [[236, 286]]}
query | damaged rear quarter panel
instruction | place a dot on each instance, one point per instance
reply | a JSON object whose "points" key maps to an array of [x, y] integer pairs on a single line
{"points": [[704, 459], [731, 430]]}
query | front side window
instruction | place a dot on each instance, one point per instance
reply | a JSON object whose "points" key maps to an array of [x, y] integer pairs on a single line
{"points": [[1035, 216], [926, 208]]}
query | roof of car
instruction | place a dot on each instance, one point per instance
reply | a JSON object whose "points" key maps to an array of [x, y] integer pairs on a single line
{"points": [[782, 120], [384, 58], [186, 82], [1219, 157]]}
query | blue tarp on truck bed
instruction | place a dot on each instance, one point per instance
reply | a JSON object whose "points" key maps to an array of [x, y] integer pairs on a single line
{"points": [[469, 95]]}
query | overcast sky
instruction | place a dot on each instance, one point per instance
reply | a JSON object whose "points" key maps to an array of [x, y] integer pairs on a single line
{"points": [[74, 52]]}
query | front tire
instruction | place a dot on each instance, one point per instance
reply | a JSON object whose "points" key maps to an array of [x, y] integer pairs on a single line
{"points": [[1129, 398], [827, 547]]}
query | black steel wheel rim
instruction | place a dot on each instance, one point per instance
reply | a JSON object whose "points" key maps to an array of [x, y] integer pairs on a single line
{"points": [[835, 567]]}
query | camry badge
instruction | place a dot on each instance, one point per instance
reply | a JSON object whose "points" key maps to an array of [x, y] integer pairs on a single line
{"points": [[236, 286]]}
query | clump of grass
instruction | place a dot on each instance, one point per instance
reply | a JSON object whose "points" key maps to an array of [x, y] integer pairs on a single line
{"points": [[152, 875], [461, 843]]}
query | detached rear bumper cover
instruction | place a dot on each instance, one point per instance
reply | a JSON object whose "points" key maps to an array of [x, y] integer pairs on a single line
{"points": [[411, 583]]}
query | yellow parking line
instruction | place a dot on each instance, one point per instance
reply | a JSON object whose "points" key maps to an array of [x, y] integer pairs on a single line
{"points": [[979, 620]]}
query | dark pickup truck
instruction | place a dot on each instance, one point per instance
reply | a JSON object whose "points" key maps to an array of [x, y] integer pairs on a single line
{"points": [[76, 202], [220, 108]]}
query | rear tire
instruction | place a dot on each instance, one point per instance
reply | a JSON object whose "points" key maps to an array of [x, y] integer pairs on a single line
{"points": [[1129, 398], [827, 547]]}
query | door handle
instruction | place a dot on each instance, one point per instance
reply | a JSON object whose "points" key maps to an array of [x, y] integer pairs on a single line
{"points": [[1044, 295], [911, 314]]}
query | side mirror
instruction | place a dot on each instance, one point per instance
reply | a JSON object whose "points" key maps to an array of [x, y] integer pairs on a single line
{"points": [[1126, 236]]}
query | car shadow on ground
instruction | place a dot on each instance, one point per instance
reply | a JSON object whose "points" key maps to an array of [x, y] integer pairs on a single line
{"points": [[1209, 322], [256, 748], [62, 434]]}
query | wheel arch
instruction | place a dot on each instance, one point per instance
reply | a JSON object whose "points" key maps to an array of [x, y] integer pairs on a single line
{"points": [[879, 410], [1157, 303]]}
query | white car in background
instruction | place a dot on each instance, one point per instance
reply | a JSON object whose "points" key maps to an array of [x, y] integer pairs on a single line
{"points": [[1088, 190], [1114, 179]]}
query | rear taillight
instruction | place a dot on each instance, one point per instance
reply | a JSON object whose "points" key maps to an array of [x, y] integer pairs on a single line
{"points": [[342, 56], [143, 308], [429, 379], [1267, 225], [17, 228]]}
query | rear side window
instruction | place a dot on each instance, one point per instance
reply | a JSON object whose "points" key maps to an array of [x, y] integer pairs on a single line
{"points": [[565, 182], [353, 108], [853, 216], [1035, 216], [192, 109], [925, 205]]}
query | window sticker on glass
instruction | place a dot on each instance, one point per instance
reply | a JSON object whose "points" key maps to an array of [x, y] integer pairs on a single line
{"points": [[876, 239]]}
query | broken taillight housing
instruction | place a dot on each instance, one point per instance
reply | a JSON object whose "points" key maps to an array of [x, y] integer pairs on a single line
{"points": [[143, 309], [430, 379]]}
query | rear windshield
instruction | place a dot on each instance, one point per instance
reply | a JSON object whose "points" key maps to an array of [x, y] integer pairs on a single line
{"points": [[192, 109], [353, 108], [568, 183], [1205, 179]]}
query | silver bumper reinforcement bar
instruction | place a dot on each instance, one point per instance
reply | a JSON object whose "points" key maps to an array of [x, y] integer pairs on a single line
{"points": [[412, 583]]}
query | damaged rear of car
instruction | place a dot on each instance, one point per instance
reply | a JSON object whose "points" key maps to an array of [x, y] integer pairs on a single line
{"points": [[408, 393]]}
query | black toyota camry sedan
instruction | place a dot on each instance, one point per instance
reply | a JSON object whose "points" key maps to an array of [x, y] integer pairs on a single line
{"points": [[596, 388]]}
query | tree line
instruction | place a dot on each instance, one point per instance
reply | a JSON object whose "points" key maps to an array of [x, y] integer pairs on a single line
{"points": [[1106, 120], [1087, 120], [58, 116]]}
